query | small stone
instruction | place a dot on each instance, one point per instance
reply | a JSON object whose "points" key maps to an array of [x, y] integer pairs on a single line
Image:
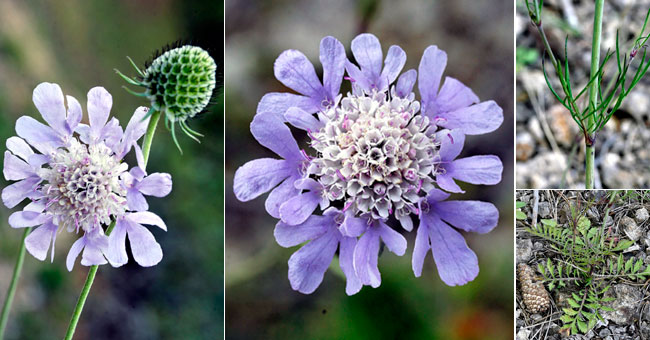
{"points": [[524, 250], [562, 125], [604, 332], [544, 209], [641, 215], [523, 334], [525, 146], [632, 230], [536, 129], [625, 303]]}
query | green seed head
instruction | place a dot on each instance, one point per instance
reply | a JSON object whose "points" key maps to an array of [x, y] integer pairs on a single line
{"points": [[179, 84]]}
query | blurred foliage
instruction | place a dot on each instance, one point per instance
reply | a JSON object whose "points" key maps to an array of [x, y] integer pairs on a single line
{"points": [[260, 303], [77, 44], [526, 56]]}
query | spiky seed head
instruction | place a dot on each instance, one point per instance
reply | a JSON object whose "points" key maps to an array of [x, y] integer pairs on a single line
{"points": [[180, 82]]}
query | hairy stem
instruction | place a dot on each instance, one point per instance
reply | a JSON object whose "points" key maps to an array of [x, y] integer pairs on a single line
{"points": [[593, 94], [146, 148], [11, 292]]}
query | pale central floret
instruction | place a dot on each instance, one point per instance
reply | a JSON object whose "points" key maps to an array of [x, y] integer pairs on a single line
{"points": [[83, 186], [376, 154]]}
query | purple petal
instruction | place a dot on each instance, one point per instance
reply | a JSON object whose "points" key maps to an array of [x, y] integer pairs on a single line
{"points": [[451, 144], [74, 114], [116, 251], [365, 258], [292, 235], [332, 57], [38, 241], [367, 53], [346, 262], [99, 107], [48, 99], [134, 130], [15, 168], [93, 255], [284, 192], [275, 135], [454, 95], [40, 136], [24, 219], [295, 71], [394, 241], [308, 265], [303, 120], [19, 147], [475, 216], [446, 181], [395, 60], [259, 176], [456, 263], [420, 249], [74, 252], [136, 200], [156, 184], [279, 103], [405, 83], [477, 169], [111, 133], [435, 195], [430, 71], [146, 217], [358, 78], [473, 120], [146, 251], [353, 226], [297, 209]]}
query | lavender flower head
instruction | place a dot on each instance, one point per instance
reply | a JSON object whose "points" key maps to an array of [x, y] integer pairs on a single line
{"points": [[76, 181], [380, 159]]}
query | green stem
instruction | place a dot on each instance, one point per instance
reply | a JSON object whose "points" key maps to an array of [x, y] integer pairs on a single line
{"points": [[12, 286], [146, 148], [593, 94]]}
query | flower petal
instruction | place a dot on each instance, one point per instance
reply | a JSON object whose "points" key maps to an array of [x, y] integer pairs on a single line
{"points": [[473, 120], [394, 241], [405, 83], [302, 120], [38, 241], [146, 251], [279, 103], [99, 107], [420, 249], [275, 135], [299, 208], [446, 181], [307, 266], [74, 252], [19, 147], [332, 57], [48, 99], [24, 219], [146, 217], [432, 65], [454, 95], [292, 235], [477, 169], [474, 216], [116, 251], [156, 184], [346, 258], [282, 193], [15, 168], [368, 55], [259, 176], [365, 258], [353, 226], [40, 136], [74, 114], [456, 263], [395, 60], [136, 201], [295, 71], [451, 144]]}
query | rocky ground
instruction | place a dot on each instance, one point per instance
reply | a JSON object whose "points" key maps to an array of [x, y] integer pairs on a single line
{"points": [[550, 149], [629, 219]]}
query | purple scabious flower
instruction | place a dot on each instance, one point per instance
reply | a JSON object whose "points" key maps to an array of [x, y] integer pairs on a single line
{"points": [[379, 159], [76, 181]]}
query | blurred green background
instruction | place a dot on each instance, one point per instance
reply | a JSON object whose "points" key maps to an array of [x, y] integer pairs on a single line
{"points": [[477, 35], [77, 44]]}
